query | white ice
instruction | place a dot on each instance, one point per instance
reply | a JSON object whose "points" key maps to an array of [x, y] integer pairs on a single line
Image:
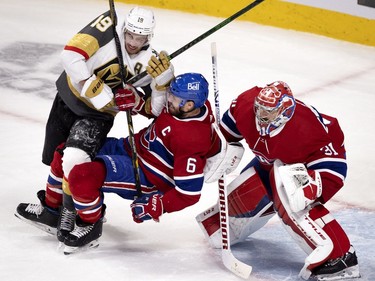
{"points": [[336, 77]]}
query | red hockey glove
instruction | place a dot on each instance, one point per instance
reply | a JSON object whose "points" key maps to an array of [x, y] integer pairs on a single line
{"points": [[127, 98], [147, 207]]}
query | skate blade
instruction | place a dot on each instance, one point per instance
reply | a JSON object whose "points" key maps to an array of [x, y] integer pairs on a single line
{"points": [[46, 228], [68, 250], [346, 274]]}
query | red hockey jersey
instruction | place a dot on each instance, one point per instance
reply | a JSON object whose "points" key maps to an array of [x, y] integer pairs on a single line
{"points": [[309, 137], [172, 153]]}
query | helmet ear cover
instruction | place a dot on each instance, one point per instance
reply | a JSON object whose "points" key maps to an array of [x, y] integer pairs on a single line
{"points": [[190, 87]]}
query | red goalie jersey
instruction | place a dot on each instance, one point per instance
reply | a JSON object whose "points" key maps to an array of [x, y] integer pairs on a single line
{"points": [[308, 137]]}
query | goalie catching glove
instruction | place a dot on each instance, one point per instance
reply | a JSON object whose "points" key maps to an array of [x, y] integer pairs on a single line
{"points": [[97, 92], [302, 186], [161, 70], [147, 207]]}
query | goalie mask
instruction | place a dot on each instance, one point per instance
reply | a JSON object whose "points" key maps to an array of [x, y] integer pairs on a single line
{"points": [[273, 107], [190, 87], [140, 21]]}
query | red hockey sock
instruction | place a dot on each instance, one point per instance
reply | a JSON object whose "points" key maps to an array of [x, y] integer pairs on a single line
{"points": [[54, 182], [85, 181], [341, 243]]}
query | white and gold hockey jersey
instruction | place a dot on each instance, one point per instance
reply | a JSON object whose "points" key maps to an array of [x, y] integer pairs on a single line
{"points": [[93, 51]]}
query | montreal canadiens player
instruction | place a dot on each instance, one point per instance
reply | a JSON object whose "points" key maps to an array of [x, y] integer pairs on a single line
{"points": [[172, 153], [299, 165]]}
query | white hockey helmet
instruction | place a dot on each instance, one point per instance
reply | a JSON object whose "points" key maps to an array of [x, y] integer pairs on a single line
{"points": [[140, 21]]}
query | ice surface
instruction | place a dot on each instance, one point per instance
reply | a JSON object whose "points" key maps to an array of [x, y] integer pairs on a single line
{"points": [[335, 76]]}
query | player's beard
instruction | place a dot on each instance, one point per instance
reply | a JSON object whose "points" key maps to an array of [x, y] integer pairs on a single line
{"points": [[175, 111]]}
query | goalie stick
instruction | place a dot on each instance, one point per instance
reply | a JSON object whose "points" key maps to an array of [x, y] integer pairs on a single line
{"points": [[201, 37], [128, 113], [229, 260]]}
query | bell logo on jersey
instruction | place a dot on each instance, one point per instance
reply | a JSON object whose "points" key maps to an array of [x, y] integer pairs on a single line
{"points": [[193, 86]]}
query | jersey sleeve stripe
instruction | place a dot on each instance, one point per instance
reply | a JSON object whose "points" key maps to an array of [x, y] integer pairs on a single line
{"points": [[334, 166], [152, 169], [195, 176], [191, 186], [77, 50], [325, 159], [229, 124], [186, 192], [339, 175]]}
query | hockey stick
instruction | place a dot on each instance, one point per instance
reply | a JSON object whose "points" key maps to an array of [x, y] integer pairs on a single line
{"points": [[128, 114], [201, 37], [229, 260]]}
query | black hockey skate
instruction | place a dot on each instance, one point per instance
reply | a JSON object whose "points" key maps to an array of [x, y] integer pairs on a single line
{"points": [[39, 215], [84, 235], [342, 268], [66, 223]]}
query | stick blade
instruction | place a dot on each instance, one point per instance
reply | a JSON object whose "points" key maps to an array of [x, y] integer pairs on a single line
{"points": [[239, 268]]}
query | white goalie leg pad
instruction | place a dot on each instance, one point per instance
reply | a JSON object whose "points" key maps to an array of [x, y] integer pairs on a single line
{"points": [[239, 228], [224, 162], [308, 233], [249, 206], [73, 156], [209, 222], [249, 210]]}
